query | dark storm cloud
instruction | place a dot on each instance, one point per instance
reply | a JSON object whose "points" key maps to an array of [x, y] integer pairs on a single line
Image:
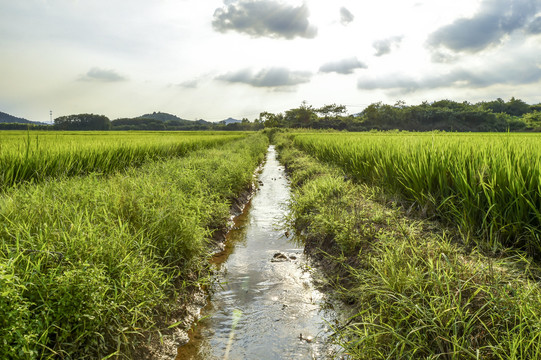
{"points": [[384, 46], [272, 77], [535, 26], [502, 74], [264, 18], [345, 66], [97, 74], [346, 16], [495, 19]]}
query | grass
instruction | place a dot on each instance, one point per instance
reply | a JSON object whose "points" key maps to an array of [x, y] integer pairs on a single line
{"points": [[32, 156], [87, 263], [487, 184], [413, 290]]}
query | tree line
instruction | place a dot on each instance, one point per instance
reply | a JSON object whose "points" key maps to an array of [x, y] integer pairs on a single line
{"points": [[444, 115]]}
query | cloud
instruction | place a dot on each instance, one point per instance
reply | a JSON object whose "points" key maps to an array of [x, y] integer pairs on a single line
{"points": [[505, 73], [346, 16], [345, 66], [264, 18], [272, 78], [190, 84], [494, 20], [384, 46], [97, 74], [535, 26], [443, 57]]}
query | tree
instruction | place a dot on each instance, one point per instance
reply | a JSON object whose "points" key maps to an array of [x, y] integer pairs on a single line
{"points": [[332, 110], [497, 106], [82, 122], [271, 120], [517, 107], [303, 116], [533, 120]]}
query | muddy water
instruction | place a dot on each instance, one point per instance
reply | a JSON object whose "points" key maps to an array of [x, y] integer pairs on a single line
{"points": [[262, 307]]}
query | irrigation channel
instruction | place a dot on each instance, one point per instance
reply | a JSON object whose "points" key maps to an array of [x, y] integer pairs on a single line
{"points": [[263, 304]]}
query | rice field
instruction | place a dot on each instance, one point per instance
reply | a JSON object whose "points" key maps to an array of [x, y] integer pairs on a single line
{"points": [[31, 156], [487, 184], [412, 289], [89, 262]]}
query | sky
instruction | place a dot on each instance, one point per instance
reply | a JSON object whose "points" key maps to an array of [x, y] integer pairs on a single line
{"points": [[216, 59]]}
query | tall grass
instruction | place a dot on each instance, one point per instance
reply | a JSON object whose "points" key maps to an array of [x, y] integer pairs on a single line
{"points": [[487, 184], [87, 262], [413, 291], [33, 156]]}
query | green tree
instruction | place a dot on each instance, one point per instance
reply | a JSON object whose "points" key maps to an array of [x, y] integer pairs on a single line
{"points": [[517, 107], [332, 110], [302, 117], [82, 122], [271, 120]]}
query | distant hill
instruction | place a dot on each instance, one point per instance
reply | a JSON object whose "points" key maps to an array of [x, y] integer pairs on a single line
{"points": [[230, 121], [169, 117], [162, 117], [6, 118], [159, 121]]}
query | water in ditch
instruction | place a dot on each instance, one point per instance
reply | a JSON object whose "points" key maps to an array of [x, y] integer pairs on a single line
{"points": [[263, 304]]}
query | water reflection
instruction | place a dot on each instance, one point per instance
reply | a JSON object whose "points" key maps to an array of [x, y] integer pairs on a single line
{"points": [[262, 306]]}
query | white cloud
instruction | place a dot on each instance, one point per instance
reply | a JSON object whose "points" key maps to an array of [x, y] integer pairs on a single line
{"points": [[345, 66], [102, 75], [269, 78], [384, 46], [346, 16], [507, 72]]}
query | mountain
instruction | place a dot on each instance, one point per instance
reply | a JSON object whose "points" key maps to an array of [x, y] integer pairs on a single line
{"points": [[160, 116], [6, 118], [230, 121]]}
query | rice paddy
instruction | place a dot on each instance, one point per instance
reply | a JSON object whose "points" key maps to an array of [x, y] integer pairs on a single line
{"points": [[434, 238], [414, 288], [88, 262], [30, 156], [487, 184]]}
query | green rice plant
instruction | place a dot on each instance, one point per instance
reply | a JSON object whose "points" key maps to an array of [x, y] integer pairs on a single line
{"points": [[487, 184], [412, 290], [87, 263], [34, 156]]}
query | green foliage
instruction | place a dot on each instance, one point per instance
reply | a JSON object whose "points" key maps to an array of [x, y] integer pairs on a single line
{"points": [[82, 122], [6, 118], [445, 115], [87, 262], [486, 184], [533, 120], [514, 107], [162, 121], [17, 334], [413, 291], [300, 117], [35, 156]]}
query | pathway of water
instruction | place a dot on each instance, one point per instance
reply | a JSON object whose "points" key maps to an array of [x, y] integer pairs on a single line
{"points": [[263, 304]]}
